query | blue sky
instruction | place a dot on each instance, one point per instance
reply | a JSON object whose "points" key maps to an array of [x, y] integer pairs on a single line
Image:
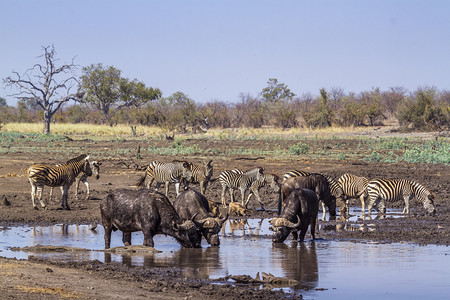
{"points": [[215, 50]]}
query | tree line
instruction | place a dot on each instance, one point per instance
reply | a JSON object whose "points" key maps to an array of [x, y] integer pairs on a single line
{"points": [[51, 93]]}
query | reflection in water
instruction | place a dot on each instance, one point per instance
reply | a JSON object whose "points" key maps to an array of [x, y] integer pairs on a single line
{"points": [[299, 262], [334, 267]]}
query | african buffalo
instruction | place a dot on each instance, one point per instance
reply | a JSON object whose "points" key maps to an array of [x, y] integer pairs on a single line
{"points": [[314, 182], [300, 211], [148, 211], [191, 203]]}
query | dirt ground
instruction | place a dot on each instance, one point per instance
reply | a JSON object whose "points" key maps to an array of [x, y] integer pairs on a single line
{"points": [[95, 280]]}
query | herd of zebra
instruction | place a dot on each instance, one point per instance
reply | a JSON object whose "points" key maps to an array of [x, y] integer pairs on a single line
{"points": [[374, 192]]}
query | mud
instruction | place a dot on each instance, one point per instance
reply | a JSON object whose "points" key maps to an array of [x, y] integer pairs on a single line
{"points": [[122, 170]]}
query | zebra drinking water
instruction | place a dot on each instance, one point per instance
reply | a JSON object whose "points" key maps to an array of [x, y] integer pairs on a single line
{"points": [[64, 175], [166, 173], [381, 190]]}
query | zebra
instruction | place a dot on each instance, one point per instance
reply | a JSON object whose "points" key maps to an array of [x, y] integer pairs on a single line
{"points": [[177, 171], [202, 174], [271, 179], [234, 179], [95, 167], [334, 186], [382, 190], [354, 187], [41, 175]]}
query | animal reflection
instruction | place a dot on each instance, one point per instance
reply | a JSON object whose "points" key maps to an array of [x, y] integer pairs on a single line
{"points": [[300, 263]]}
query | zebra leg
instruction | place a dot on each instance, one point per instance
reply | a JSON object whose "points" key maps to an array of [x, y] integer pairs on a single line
{"points": [[40, 192], [243, 196], [224, 189], [406, 208], [65, 196], [324, 210], [77, 185], [50, 197], [177, 188], [149, 183], [363, 203], [87, 190], [33, 193], [126, 238], [248, 198]]}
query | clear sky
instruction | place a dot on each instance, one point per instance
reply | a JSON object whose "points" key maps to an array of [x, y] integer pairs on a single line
{"points": [[215, 50]]}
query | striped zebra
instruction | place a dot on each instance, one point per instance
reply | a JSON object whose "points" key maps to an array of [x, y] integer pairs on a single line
{"points": [[174, 172], [64, 175], [334, 186], [95, 167], [234, 179], [391, 190], [268, 179], [354, 187], [202, 174]]}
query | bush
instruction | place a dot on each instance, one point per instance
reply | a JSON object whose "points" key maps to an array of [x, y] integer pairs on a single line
{"points": [[299, 148]]}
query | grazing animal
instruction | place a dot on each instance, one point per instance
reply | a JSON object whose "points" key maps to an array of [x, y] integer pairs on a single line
{"points": [[354, 187], [176, 172], [300, 211], [95, 167], [190, 204], [148, 211], [381, 190], [236, 208], [314, 182], [202, 174], [335, 190], [64, 175], [233, 180]]}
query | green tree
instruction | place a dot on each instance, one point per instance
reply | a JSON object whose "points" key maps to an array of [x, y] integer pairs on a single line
{"points": [[322, 114], [46, 85], [422, 112], [3, 102], [106, 90], [276, 91]]}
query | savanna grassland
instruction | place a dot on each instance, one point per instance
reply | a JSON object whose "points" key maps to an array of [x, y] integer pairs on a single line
{"points": [[373, 152]]}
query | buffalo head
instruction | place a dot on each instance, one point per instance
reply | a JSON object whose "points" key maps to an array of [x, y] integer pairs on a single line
{"points": [[187, 233], [210, 228], [281, 228]]}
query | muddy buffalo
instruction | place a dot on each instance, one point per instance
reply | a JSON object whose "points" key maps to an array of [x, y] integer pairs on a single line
{"points": [[190, 204], [300, 211], [148, 211], [314, 182]]}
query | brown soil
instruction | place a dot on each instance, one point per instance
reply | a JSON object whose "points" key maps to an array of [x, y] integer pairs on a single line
{"points": [[94, 280]]}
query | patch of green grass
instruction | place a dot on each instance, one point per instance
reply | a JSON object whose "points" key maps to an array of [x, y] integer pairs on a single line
{"points": [[299, 148]]}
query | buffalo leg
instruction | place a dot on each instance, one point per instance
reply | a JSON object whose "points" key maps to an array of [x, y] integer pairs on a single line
{"points": [[126, 238], [108, 230]]}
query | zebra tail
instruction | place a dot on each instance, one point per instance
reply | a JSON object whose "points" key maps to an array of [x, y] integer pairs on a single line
{"points": [[140, 182]]}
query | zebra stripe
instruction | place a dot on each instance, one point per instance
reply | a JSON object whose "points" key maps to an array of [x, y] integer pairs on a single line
{"points": [[335, 190], [234, 179], [382, 190], [354, 187], [202, 174], [41, 175], [166, 173], [95, 167]]}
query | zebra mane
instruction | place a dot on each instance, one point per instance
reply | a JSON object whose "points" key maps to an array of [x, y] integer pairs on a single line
{"points": [[77, 159]]}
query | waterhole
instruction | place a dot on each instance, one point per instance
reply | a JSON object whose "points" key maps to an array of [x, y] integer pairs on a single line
{"points": [[323, 269]]}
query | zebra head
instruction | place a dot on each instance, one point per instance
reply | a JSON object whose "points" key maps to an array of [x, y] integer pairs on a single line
{"points": [[87, 167], [428, 204], [95, 167]]}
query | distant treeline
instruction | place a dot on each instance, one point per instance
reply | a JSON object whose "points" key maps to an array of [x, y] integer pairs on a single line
{"points": [[426, 108]]}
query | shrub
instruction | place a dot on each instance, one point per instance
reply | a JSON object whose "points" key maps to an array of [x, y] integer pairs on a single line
{"points": [[299, 148]]}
